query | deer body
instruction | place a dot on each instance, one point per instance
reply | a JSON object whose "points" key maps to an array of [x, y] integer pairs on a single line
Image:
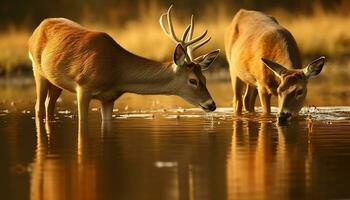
{"points": [[254, 35], [72, 56], [91, 64], [251, 37]]}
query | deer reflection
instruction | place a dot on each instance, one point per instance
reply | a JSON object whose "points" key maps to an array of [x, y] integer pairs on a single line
{"points": [[56, 177], [256, 158], [263, 158]]}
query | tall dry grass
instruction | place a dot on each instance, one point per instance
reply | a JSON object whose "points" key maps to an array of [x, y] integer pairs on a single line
{"points": [[145, 37], [13, 50], [318, 33]]}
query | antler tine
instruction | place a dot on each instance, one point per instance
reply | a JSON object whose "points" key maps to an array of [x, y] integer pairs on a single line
{"points": [[169, 31], [188, 44], [161, 22], [192, 28], [200, 44], [188, 48], [184, 35], [197, 38], [170, 24]]}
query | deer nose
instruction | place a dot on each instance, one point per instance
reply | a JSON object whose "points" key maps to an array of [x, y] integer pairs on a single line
{"points": [[284, 117], [212, 107], [208, 106]]}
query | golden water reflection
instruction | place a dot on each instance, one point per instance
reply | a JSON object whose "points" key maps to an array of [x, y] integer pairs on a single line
{"points": [[275, 159], [237, 158], [55, 178]]}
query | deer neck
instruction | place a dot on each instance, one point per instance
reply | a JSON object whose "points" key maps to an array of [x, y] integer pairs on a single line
{"points": [[151, 77]]}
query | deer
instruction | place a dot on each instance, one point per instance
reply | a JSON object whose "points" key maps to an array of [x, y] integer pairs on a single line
{"points": [[67, 56], [264, 59]]}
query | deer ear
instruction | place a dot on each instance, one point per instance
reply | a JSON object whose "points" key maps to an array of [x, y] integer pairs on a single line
{"points": [[275, 67], [315, 67], [179, 55], [206, 60]]}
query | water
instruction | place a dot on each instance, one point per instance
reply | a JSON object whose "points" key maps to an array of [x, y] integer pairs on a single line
{"points": [[161, 151]]}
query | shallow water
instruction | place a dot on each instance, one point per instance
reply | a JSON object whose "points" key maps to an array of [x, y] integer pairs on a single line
{"points": [[163, 151], [176, 154]]}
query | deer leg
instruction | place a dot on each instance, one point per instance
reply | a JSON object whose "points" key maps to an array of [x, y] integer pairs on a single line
{"points": [[249, 98], [53, 94], [41, 94], [107, 110], [83, 99], [265, 101], [237, 86]]}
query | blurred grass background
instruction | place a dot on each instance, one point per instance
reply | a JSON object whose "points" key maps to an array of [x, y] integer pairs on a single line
{"points": [[320, 27]]}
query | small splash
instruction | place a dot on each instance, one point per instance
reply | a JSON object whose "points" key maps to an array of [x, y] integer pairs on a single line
{"points": [[191, 116], [162, 110], [20, 169], [172, 117], [160, 164], [144, 116], [66, 112], [224, 110], [178, 110], [328, 114], [4, 111], [94, 109]]}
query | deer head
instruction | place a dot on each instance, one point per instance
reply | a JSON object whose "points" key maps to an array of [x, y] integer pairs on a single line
{"points": [[190, 84], [293, 87]]}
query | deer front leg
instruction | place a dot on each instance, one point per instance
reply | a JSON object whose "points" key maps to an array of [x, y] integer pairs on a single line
{"points": [[41, 94], [83, 99], [53, 94], [249, 98], [237, 86], [265, 98], [107, 110]]}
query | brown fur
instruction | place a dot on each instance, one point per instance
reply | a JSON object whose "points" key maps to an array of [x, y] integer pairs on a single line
{"points": [[251, 36], [67, 56]]}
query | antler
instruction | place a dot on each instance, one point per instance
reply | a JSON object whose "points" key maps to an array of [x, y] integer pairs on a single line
{"points": [[187, 42], [190, 49]]}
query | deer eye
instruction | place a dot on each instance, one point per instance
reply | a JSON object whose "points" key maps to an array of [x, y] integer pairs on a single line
{"points": [[193, 82], [299, 92]]}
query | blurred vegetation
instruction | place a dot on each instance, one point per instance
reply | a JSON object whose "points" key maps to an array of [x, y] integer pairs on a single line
{"points": [[320, 27], [30, 13]]}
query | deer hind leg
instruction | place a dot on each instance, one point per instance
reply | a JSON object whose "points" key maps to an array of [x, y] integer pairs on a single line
{"points": [[83, 99], [237, 86], [249, 98], [41, 94], [53, 94], [265, 100], [107, 110]]}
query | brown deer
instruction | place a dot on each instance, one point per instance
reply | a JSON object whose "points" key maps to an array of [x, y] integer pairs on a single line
{"points": [[264, 58], [66, 55]]}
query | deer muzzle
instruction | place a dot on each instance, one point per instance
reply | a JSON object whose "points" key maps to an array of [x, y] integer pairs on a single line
{"points": [[283, 117], [208, 106]]}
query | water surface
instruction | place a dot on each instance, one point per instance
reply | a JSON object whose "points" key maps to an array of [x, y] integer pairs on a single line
{"points": [[176, 154], [161, 148]]}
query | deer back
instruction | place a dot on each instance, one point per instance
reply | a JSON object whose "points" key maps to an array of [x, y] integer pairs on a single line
{"points": [[254, 35]]}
